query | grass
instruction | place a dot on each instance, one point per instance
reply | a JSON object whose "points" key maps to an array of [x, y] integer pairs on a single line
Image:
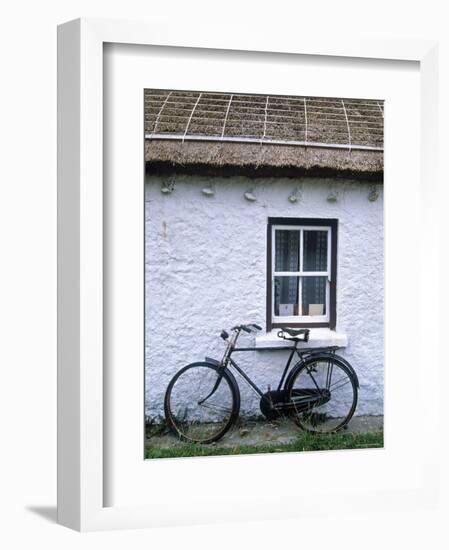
{"points": [[304, 442]]}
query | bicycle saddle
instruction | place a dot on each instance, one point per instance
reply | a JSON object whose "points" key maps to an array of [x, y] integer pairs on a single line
{"points": [[294, 333]]}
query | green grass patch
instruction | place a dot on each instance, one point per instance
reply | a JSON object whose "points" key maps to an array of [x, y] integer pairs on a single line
{"points": [[304, 442]]}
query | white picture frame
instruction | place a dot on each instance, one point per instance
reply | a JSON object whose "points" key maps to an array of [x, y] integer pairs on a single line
{"points": [[82, 393]]}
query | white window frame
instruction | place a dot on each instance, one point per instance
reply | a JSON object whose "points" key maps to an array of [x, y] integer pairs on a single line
{"points": [[301, 273]]}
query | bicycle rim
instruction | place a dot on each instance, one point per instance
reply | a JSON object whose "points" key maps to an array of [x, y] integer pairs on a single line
{"points": [[324, 395], [200, 403]]}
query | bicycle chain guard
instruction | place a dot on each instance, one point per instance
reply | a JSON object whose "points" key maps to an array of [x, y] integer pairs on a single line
{"points": [[275, 404]]}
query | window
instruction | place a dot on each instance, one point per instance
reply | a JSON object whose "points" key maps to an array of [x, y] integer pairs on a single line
{"points": [[302, 265]]}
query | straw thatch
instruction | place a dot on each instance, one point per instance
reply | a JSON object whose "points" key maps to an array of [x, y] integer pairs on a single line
{"points": [[194, 132]]}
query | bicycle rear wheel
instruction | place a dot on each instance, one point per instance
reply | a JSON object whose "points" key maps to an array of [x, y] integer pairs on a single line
{"points": [[202, 402], [323, 393]]}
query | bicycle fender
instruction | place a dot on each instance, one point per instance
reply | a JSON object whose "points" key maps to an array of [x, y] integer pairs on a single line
{"points": [[337, 358], [347, 364], [216, 363], [212, 361]]}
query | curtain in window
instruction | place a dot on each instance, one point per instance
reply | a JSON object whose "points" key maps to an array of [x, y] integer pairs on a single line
{"points": [[286, 259], [315, 259], [312, 288], [315, 251]]}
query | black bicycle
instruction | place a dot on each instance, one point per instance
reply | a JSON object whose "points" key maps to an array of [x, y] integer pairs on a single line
{"points": [[319, 392]]}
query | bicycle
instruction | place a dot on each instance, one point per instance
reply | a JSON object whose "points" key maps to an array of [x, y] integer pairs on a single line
{"points": [[320, 391]]}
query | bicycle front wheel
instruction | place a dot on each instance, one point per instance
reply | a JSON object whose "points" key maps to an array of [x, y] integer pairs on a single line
{"points": [[202, 402], [323, 395]]}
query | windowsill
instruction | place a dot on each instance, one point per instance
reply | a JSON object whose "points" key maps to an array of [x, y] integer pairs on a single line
{"points": [[318, 337]]}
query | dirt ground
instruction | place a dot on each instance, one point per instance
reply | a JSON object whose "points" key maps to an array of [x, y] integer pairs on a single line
{"points": [[275, 432]]}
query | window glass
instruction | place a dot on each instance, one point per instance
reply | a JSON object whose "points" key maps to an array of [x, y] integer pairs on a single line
{"points": [[315, 250], [287, 250], [297, 293], [314, 296], [286, 296]]}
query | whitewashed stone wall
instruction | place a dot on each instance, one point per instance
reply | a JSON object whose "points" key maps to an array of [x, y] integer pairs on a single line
{"points": [[206, 270]]}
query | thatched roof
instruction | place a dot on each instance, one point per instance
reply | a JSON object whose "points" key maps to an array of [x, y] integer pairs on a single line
{"points": [[198, 132]]}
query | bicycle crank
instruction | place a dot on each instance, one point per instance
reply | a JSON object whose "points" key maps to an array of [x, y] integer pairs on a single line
{"points": [[275, 404]]}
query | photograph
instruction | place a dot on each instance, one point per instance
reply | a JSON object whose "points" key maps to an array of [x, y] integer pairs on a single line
{"points": [[264, 273]]}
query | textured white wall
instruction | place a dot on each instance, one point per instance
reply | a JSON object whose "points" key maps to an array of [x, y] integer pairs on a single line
{"points": [[206, 270]]}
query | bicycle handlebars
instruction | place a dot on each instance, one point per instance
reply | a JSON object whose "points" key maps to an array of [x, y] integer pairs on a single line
{"points": [[246, 328]]}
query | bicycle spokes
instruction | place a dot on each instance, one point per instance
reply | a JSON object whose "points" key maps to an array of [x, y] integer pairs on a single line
{"points": [[215, 407], [200, 403], [323, 395]]}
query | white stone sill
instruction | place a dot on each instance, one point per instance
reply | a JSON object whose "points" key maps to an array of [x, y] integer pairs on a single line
{"points": [[318, 337]]}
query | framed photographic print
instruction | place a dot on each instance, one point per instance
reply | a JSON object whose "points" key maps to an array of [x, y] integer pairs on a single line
{"points": [[235, 309], [267, 206]]}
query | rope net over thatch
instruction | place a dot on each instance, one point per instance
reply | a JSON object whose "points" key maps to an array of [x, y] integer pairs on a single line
{"points": [[203, 131]]}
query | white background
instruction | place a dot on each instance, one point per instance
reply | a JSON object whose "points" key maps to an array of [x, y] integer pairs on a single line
{"points": [[28, 270]]}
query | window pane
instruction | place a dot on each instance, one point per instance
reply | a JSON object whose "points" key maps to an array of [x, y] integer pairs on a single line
{"points": [[315, 251], [314, 296], [286, 295], [287, 250]]}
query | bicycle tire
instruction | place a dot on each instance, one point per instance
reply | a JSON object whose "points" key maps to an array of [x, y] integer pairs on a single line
{"points": [[181, 427], [339, 422]]}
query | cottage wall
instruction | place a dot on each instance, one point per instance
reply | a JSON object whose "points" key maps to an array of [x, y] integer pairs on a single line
{"points": [[206, 270]]}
